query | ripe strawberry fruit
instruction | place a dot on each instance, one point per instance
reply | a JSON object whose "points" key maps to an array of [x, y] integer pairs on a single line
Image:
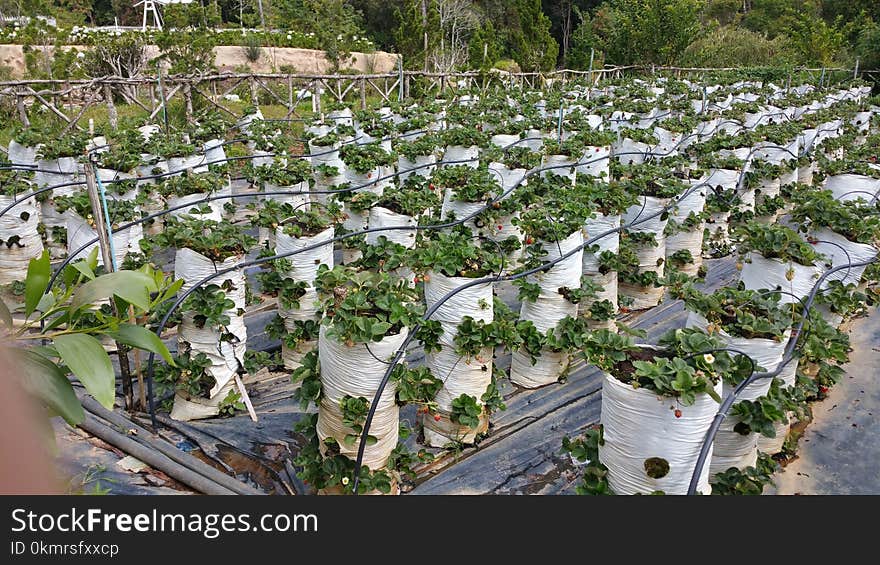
{"points": [[677, 413], [436, 417]]}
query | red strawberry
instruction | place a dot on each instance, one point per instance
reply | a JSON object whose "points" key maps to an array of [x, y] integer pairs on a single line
{"points": [[677, 413], [436, 417]]}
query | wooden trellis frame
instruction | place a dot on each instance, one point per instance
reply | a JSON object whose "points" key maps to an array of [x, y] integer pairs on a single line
{"points": [[63, 97]]}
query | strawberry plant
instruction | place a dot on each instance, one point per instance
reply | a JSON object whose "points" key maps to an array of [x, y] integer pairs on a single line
{"points": [[741, 313], [283, 172], [820, 209], [466, 411], [365, 307], [455, 254], [419, 147], [308, 375], [188, 183], [463, 136], [188, 374], [776, 242], [310, 222], [215, 240], [467, 184], [365, 158]]}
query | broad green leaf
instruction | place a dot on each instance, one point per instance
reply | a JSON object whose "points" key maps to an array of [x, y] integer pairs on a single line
{"points": [[38, 274], [86, 358], [84, 268], [141, 338], [47, 382], [132, 286], [5, 315], [46, 302]]}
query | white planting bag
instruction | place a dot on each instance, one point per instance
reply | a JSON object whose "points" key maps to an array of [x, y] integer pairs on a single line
{"points": [[297, 195], [423, 166], [852, 187], [841, 251], [456, 155], [191, 267], [380, 217], [596, 226], [759, 273], [26, 245], [304, 264], [547, 311], [79, 232], [638, 424], [357, 371]]}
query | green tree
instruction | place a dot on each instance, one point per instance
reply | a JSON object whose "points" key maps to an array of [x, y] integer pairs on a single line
{"points": [[649, 31], [334, 23], [530, 42]]}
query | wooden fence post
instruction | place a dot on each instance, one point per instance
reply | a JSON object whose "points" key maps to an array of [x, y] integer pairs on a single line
{"points": [[112, 114]]}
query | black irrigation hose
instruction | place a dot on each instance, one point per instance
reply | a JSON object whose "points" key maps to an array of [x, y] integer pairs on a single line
{"points": [[788, 356]]}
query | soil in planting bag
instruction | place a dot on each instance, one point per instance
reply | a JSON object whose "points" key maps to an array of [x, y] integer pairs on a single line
{"points": [[79, 232], [646, 447], [423, 166], [596, 162], [19, 240], [548, 310], [19, 154], [380, 217], [852, 187], [195, 201], [759, 273], [460, 374], [841, 251], [455, 155], [357, 371]]}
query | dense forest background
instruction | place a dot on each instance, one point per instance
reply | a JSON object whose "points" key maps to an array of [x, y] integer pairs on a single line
{"points": [[543, 34]]}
